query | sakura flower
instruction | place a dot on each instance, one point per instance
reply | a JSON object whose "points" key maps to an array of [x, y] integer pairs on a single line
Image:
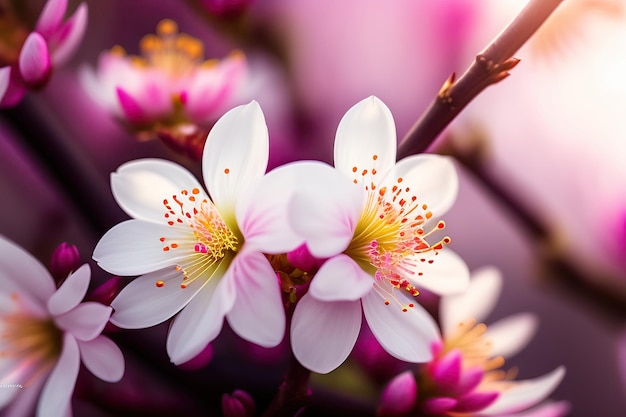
{"points": [[28, 56], [464, 378], [201, 256], [170, 89], [371, 219], [45, 333]]}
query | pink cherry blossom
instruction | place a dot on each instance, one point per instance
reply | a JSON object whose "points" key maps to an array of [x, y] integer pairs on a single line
{"points": [[45, 333], [202, 257]]}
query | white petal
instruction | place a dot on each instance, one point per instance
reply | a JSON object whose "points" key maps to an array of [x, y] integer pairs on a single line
{"points": [[475, 303], [405, 335], [71, 293], [142, 304], [201, 320], [258, 314], [525, 394], [86, 321], [340, 279], [366, 140], [324, 333], [262, 212], [23, 405], [235, 154], [140, 187], [56, 396], [547, 409], [447, 274], [7, 395], [134, 247], [512, 334], [103, 358], [325, 208], [431, 178], [20, 272]]}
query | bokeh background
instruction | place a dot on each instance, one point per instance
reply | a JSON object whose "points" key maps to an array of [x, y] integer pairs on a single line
{"points": [[541, 157]]}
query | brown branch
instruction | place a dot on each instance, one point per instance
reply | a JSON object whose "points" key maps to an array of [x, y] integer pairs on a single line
{"points": [[491, 66]]}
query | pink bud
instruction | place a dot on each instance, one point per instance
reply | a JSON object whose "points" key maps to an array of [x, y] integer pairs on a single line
{"points": [[105, 293], [65, 259], [239, 404], [399, 396]]}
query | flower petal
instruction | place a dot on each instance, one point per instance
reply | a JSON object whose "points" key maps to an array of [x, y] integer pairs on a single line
{"points": [[56, 396], [405, 335], [66, 40], [201, 320], [511, 334], [398, 396], [134, 247], [23, 405], [51, 17], [340, 279], [86, 321], [235, 155], [140, 186], [71, 293], [447, 274], [34, 60], [103, 358], [324, 333], [438, 405], [475, 302], [366, 140], [431, 178], [5, 79], [20, 272], [262, 213], [131, 106], [525, 394], [258, 314], [324, 209], [550, 409], [142, 304]]}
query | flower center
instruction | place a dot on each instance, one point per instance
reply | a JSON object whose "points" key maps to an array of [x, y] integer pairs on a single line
{"points": [[204, 239], [32, 344], [390, 239]]}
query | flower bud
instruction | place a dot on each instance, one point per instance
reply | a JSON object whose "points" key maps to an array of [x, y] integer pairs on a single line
{"points": [[239, 404], [65, 259], [399, 396]]}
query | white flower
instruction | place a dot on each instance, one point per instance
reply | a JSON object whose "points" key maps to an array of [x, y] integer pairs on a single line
{"points": [[45, 333], [200, 256], [371, 218]]}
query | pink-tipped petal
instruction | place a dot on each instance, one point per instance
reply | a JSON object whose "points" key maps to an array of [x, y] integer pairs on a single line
{"points": [[476, 302], [34, 60], [131, 107], [86, 321], [5, 79], [405, 335], [475, 401], [235, 155], [470, 378], [143, 303], [511, 334], [140, 186], [447, 274], [103, 358], [201, 320], [446, 372], [366, 139], [71, 292], [258, 314], [22, 273], [398, 396], [56, 395], [432, 178], [69, 36], [438, 405], [325, 208], [51, 17], [134, 247], [340, 279], [525, 394], [556, 409], [324, 333]]}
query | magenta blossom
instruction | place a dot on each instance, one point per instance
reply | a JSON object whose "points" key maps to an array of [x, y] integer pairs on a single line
{"points": [[49, 45], [45, 333]]}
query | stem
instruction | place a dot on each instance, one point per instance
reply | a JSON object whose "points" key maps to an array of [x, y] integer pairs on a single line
{"points": [[293, 394], [491, 66]]}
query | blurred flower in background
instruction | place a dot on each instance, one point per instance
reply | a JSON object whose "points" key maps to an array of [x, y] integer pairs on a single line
{"points": [[45, 333], [28, 55]]}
